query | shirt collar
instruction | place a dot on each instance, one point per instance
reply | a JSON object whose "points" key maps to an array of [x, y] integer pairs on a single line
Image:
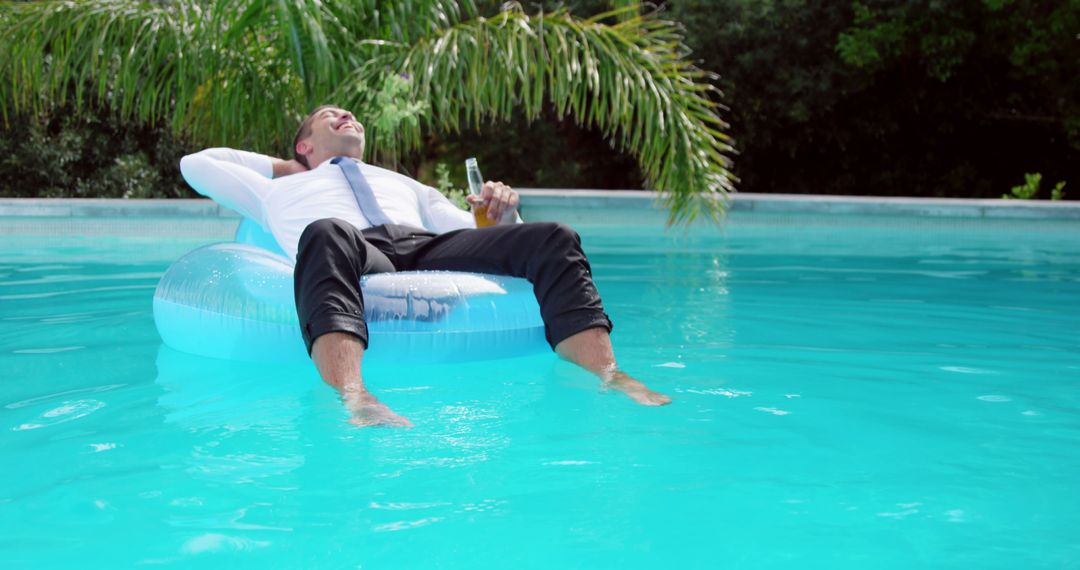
{"points": [[327, 162]]}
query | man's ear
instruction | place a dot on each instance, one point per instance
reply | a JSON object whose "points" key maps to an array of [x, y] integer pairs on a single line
{"points": [[304, 148]]}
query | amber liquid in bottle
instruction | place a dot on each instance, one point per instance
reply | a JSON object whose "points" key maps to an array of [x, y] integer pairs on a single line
{"points": [[476, 182], [480, 213]]}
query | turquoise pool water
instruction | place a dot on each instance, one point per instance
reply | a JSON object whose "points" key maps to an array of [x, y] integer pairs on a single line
{"points": [[849, 393]]}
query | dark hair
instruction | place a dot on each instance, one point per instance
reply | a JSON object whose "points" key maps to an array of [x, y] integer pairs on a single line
{"points": [[305, 131]]}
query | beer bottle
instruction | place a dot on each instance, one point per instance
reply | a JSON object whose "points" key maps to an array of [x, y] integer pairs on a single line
{"points": [[476, 182]]}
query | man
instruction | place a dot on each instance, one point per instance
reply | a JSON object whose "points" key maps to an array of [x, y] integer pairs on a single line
{"points": [[340, 219]]}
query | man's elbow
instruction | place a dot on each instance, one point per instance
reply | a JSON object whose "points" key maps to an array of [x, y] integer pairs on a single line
{"points": [[193, 167], [205, 155], [188, 165], [187, 161]]}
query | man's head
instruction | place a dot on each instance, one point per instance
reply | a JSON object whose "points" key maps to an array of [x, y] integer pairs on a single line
{"points": [[327, 132]]}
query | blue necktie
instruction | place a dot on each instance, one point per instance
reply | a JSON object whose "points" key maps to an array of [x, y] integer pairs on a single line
{"points": [[365, 198]]}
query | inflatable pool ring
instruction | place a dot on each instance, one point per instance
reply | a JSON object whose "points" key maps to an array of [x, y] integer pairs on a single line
{"points": [[235, 301]]}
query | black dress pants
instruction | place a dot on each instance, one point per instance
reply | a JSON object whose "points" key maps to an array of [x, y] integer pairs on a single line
{"points": [[334, 254]]}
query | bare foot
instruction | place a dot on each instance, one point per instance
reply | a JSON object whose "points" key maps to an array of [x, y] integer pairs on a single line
{"points": [[637, 391], [368, 411], [591, 350]]}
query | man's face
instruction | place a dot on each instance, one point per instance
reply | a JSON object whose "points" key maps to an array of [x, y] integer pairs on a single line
{"points": [[334, 132]]}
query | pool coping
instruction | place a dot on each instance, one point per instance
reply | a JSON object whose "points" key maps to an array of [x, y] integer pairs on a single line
{"points": [[619, 206]]}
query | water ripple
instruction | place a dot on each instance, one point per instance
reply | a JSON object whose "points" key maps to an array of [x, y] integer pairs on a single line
{"points": [[50, 279], [570, 462], [773, 411], [231, 520], [52, 350], [213, 542], [407, 506], [66, 412], [967, 370], [80, 291], [68, 318], [718, 392], [405, 525], [47, 397]]}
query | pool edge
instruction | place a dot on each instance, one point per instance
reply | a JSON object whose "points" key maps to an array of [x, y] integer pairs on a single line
{"points": [[619, 206]]}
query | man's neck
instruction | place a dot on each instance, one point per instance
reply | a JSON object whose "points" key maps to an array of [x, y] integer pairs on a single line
{"points": [[315, 159]]}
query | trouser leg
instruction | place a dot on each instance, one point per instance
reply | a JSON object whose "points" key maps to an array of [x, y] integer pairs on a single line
{"points": [[331, 258], [549, 255]]}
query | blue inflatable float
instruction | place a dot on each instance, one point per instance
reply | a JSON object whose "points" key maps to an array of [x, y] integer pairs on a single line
{"points": [[235, 301]]}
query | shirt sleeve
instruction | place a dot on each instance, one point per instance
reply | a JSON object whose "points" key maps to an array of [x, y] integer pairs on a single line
{"points": [[236, 179], [442, 215]]}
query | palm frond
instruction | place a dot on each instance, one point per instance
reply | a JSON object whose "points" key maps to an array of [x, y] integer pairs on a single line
{"points": [[225, 71], [242, 72], [67, 52], [630, 80]]}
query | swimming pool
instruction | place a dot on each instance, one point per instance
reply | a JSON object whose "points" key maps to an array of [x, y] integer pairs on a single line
{"points": [[850, 392]]}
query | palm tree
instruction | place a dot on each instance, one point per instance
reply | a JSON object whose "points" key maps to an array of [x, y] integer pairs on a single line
{"points": [[242, 72]]}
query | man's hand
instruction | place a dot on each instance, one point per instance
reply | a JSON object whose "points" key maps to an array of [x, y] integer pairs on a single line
{"points": [[287, 167], [501, 201]]}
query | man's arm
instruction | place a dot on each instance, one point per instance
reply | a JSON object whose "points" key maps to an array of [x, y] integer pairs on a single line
{"points": [[287, 167], [441, 214], [236, 179]]}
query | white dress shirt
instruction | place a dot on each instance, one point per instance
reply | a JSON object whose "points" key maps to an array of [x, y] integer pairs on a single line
{"points": [[243, 181]]}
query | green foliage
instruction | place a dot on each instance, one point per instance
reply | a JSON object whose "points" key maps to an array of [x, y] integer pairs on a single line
{"points": [[242, 72], [935, 32], [894, 97], [887, 97], [86, 156], [619, 79], [870, 43], [448, 189], [1058, 193], [543, 153], [395, 108], [1029, 190]]}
